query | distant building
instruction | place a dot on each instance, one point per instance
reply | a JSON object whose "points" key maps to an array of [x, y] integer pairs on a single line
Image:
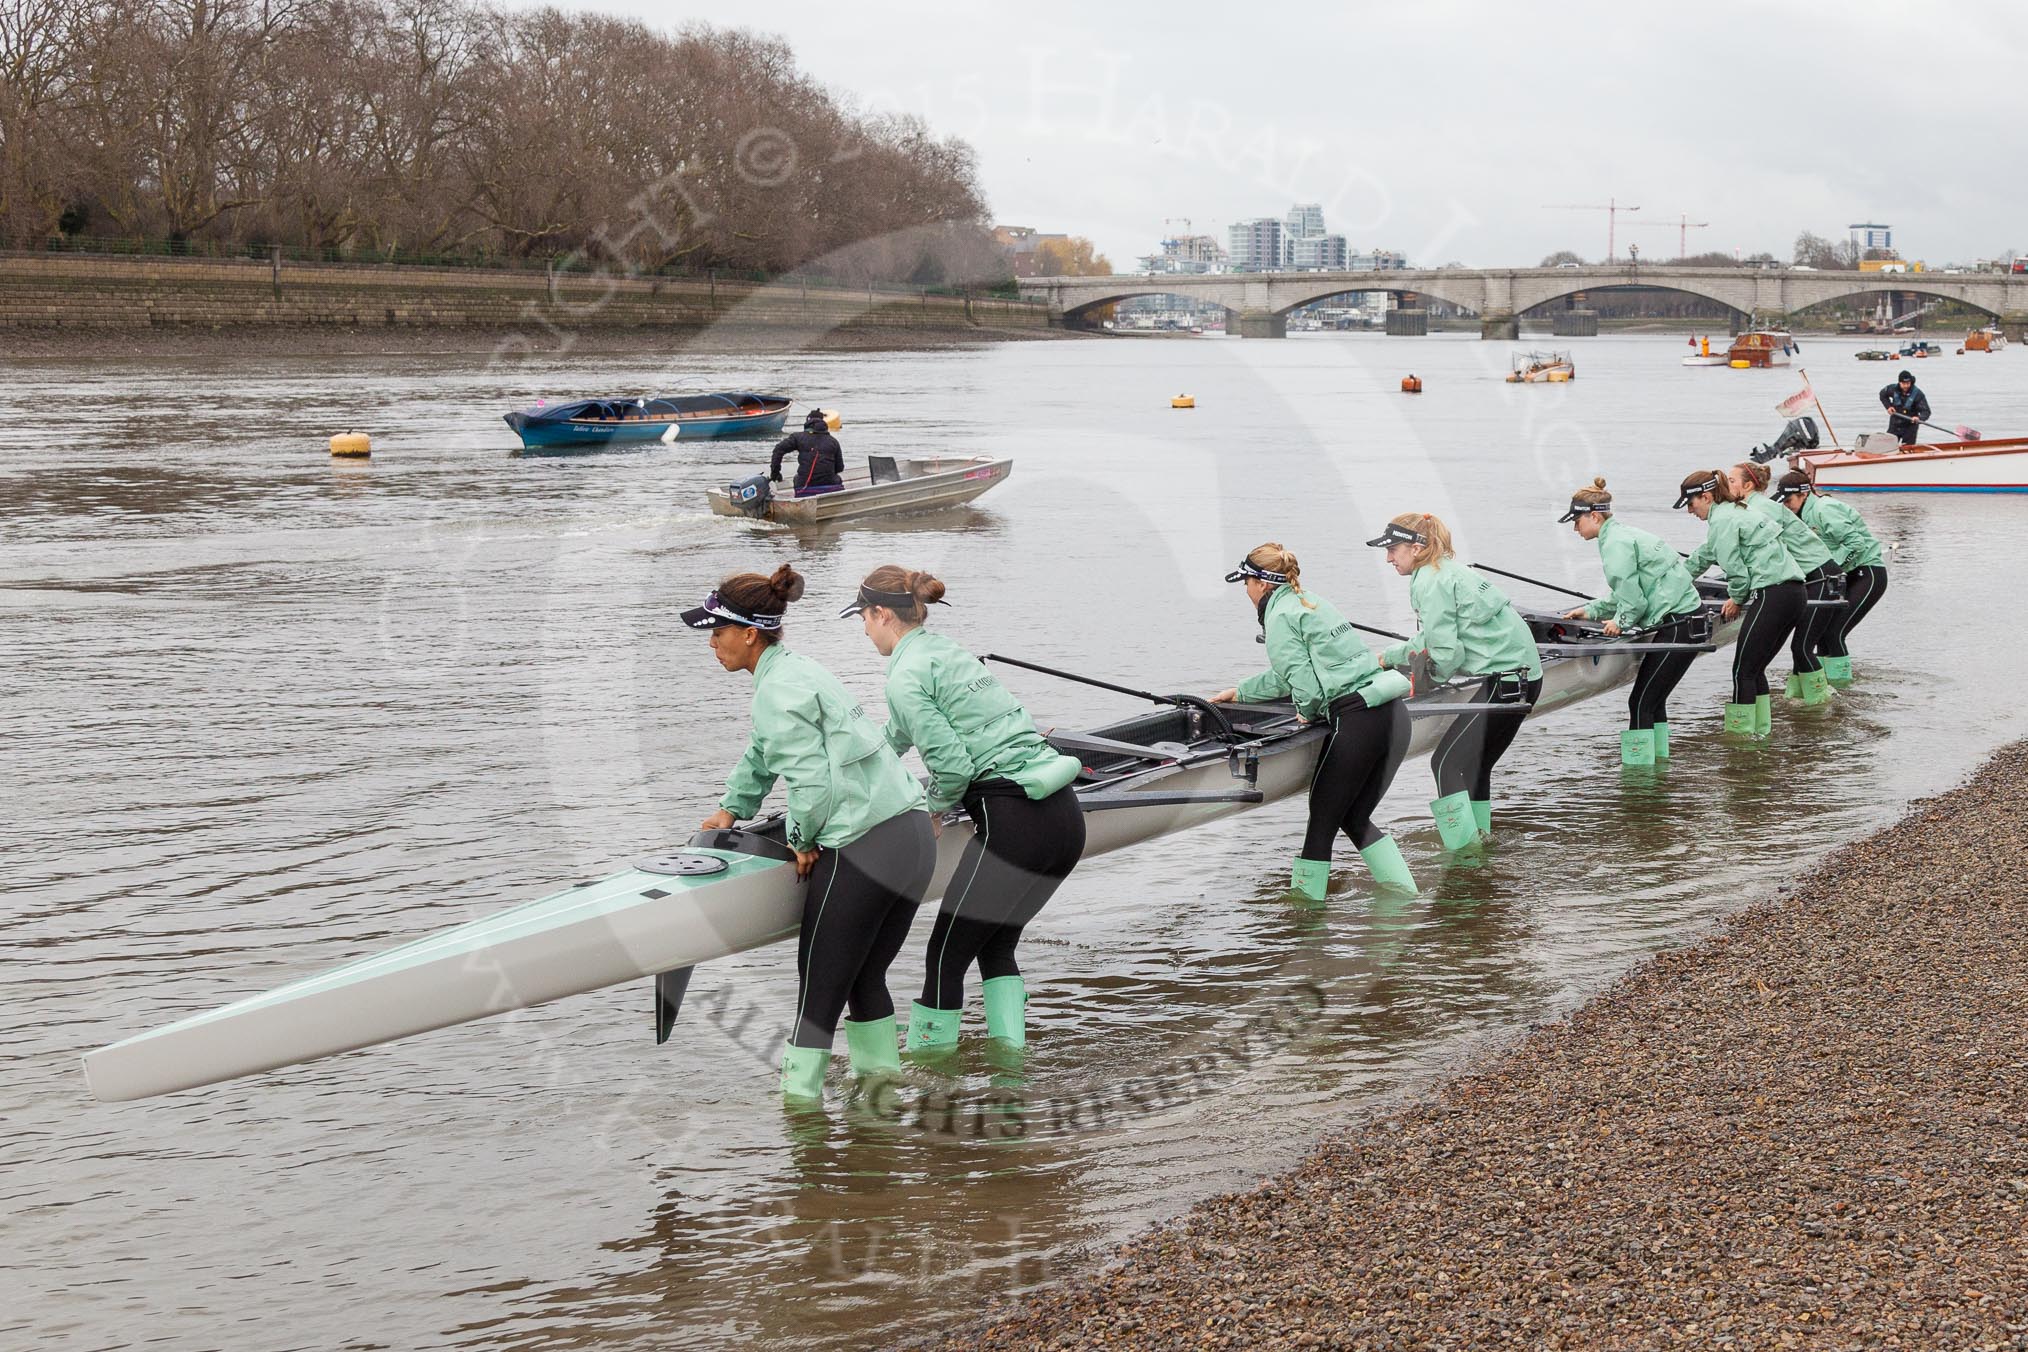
{"points": [[1377, 261], [1869, 235], [1258, 245], [1318, 253], [1305, 220], [1190, 254], [1019, 245]]}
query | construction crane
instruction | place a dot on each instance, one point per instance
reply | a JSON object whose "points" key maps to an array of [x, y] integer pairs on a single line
{"points": [[1683, 226], [1612, 209], [1168, 221]]}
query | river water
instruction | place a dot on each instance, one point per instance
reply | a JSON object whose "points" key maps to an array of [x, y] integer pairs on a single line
{"points": [[266, 712]]}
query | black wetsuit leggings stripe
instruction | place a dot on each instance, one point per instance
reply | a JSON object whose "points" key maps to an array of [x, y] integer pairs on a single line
{"points": [[1364, 749], [1767, 620], [1023, 849], [1472, 745], [1864, 587], [1817, 620], [857, 907], [1659, 674]]}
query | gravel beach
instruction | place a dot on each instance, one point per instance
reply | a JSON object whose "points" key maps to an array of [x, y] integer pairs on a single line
{"points": [[1810, 1129]]}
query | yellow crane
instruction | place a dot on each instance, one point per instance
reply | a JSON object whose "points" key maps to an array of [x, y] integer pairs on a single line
{"points": [[1683, 226], [1612, 209]]}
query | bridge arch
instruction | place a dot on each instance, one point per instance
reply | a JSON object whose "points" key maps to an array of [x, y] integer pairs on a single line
{"points": [[1702, 293], [1082, 312], [1470, 296], [1905, 284]]}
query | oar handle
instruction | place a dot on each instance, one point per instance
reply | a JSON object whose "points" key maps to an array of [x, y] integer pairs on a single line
{"points": [[1082, 680], [1383, 633]]}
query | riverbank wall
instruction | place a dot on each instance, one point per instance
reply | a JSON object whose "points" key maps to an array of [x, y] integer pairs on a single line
{"points": [[112, 296], [1808, 1130]]}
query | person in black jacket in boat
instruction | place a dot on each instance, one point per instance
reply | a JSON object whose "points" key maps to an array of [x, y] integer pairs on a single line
{"points": [[1907, 407], [820, 460]]}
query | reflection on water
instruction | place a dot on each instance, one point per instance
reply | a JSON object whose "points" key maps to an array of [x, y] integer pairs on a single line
{"points": [[267, 712]]}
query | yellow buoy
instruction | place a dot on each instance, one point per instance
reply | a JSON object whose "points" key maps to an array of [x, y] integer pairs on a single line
{"points": [[833, 419], [351, 443], [1739, 363], [1183, 401]]}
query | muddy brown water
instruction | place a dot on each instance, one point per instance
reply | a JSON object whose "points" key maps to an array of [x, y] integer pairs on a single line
{"points": [[266, 712]]}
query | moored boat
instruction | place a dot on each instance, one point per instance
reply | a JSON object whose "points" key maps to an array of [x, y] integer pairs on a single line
{"points": [[1184, 765], [1761, 348], [1542, 368], [1874, 354], [1988, 339], [889, 485], [1921, 347], [600, 422]]}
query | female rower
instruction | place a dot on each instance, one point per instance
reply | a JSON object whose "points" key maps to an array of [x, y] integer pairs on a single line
{"points": [[1650, 590], [984, 754], [855, 820], [1468, 628], [1315, 659], [1854, 550], [1763, 586], [1820, 581]]}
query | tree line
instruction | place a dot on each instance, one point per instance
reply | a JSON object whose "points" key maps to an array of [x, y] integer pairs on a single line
{"points": [[382, 128]]}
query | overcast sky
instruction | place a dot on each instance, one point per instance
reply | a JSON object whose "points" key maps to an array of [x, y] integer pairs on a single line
{"points": [[1443, 128]]}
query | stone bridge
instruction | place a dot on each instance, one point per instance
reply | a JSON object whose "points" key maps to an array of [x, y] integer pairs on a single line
{"points": [[1259, 302]]}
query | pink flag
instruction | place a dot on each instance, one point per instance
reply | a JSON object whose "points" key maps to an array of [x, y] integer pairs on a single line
{"points": [[1798, 403]]}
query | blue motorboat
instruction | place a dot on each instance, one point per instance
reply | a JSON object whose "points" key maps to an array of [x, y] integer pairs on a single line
{"points": [[601, 422]]}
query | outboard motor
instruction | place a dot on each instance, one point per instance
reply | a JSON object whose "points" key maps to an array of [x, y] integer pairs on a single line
{"points": [[751, 494], [1799, 435]]}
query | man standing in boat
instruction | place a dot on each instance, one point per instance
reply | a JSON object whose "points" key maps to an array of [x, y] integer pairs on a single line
{"points": [[1907, 408], [820, 460]]}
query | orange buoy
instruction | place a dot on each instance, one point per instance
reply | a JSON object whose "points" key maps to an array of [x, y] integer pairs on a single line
{"points": [[1411, 384], [351, 443], [1183, 401]]}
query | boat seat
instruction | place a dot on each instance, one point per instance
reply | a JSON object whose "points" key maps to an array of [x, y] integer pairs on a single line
{"points": [[881, 469]]}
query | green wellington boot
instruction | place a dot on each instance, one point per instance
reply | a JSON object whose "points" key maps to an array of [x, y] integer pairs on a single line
{"points": [[803, 1071], [932, 1030], [1661, 731], [1816, 688], [1384, 862], [1763, 715], [1311, 877], [1838, 671], [1006, 1000], [1637, 746], [1739, 720], [872, 1047], [1456, 824], [1482, 815]]}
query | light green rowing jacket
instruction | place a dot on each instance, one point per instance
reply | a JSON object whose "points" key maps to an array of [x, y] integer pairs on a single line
{"points": [[1649, 582], [842, 779], [942, 701], [1315, 658], [1747, 546], [1841, 527], [1469, 627], [1804, 547]]}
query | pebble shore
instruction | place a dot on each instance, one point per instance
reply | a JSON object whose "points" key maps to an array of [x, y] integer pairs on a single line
{"points": [[1809, 1130]]}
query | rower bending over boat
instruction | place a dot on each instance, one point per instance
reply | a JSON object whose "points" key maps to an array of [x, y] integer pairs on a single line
{"points": [[982, 753], [863, 844], [1853, 550], [1763, 588], [820, 460], [1316, 660], [1468, 627], [1807, 681], [1649, 589]]}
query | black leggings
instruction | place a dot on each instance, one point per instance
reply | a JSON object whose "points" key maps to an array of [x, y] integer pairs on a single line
{"points": [[1023, 849], [1809, 635], [1766, 621], [1660, 673], [857, 908], [1864, 586], [1361, 754], [1473, 744]]}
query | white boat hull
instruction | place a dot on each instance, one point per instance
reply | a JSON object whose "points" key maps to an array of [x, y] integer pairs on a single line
{"points": [[927, 484], [1945, 467], [644, 921]]}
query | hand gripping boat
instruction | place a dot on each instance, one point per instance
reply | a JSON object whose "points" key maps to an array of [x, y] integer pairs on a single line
{"points": [[1181, 766]]}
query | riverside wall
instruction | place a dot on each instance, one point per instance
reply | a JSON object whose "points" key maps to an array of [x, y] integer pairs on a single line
{"points": [[86, 294]]}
